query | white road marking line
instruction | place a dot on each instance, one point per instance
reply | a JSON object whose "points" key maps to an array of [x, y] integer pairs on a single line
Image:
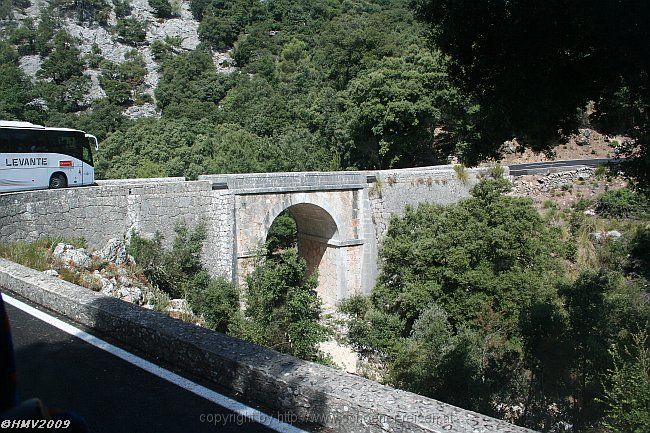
{"points": [[213, 396]]}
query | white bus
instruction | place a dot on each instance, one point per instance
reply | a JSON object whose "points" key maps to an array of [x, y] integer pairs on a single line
{"points": [[35, 157]]}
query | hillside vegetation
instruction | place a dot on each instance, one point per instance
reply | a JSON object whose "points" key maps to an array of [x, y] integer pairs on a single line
{"points": [[326, 84], [541, 319]]}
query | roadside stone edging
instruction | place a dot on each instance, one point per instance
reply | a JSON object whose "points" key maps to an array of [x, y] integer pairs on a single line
{"points": [[308, 391]]}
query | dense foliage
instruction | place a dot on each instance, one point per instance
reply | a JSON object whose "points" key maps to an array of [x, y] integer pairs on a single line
{"points": [[533, 66], [326, 85], [179, 273], [474, 307], [282, 310], [361, 84]]}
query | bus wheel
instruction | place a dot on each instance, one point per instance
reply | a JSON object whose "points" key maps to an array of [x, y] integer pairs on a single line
{"points": [[58, 180]]}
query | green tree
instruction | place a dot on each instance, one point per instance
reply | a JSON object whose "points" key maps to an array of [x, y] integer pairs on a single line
{"points": [[151, 147], [353, 41], [45, 32], [122, 8], [102, 120], [25, 37], [217, 29], [395, 108], [283, 310], [531, 66], [15, 87], [472, 259], [131, 31], [603, 309], [436, 361], [120, 80], [6, 9], [547, 353], [627, 395], [189, 86], [283, 233], [64, 62], [161, 8]]}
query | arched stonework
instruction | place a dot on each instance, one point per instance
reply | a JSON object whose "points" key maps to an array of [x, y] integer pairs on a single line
{"points": [[330, 236], [316, 230]]}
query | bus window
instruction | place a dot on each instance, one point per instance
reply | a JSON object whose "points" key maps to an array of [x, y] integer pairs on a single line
{"points": [[66, 143], [4, 140], [22, 141]]}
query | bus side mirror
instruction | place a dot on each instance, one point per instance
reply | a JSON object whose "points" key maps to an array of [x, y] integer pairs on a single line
{"points": [[94, 139]]}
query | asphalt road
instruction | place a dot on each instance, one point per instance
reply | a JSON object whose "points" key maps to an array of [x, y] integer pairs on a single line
{"points": [[111, 394], [541, 167]]}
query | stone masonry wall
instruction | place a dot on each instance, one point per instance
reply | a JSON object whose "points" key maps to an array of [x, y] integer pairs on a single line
{"points": [[237, 210], [393, 190], [98, 214]]}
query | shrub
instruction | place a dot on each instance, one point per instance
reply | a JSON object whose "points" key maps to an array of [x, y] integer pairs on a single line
{"points": [[179, 273], [161, 8], [6, 9], [461, 173], [218, 30], [622, 203], [122, 8], [163, 49], [639, 254], [131, 31], [25, 37], [282, 233], [216, 299], [627, 395]]}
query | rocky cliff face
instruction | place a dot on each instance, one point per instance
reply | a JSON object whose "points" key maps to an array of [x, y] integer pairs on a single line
{"points": [[104, 40]]}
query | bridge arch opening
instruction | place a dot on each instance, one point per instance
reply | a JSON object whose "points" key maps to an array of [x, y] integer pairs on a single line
{"points": [[311, 230]]}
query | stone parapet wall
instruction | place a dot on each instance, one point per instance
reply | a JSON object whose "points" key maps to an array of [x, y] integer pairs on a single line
{"points": [[255, 183], [307, 391]]}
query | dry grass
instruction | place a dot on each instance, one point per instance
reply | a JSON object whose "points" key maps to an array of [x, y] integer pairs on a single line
{"points": [[36, 255]]}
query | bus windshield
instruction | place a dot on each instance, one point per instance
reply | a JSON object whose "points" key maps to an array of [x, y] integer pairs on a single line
{"points": [[72, 143]]}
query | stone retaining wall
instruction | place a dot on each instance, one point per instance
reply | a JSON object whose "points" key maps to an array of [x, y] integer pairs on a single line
{"points": [[311, 392]]}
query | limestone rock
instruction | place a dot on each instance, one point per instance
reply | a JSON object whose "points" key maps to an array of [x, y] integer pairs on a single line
{"points": [[71, 256], [30, 65], [114, 251], [130, 294], [138, 111], [599, 237], [178, 308], [582, 139], [92, 281], [108, 286], [614, 234]]}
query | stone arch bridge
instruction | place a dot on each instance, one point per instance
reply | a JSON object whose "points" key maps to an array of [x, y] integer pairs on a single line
{"points": [[341, 216]]}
